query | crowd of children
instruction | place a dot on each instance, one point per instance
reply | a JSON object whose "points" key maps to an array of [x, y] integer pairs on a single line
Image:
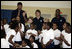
{"points": [[17, 35]]}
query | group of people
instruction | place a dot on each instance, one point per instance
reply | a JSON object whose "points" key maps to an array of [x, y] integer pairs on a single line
{"points": [[24, 32]]}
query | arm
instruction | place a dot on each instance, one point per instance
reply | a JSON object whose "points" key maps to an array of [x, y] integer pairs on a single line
{"points": [[66, 42], [49, 42], [10, 40]]}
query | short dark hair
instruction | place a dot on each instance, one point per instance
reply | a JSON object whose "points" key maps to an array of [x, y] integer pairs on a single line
{"points": [[19, 3], [67, 24], [32, 37], [49, 24], [54, 23], [38, 11], [14, 24]]}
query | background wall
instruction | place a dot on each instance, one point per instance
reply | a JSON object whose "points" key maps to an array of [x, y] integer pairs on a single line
{"points": [[46, 7]]}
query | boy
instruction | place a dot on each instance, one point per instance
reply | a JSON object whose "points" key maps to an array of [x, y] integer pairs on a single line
{"points": [[20, 34], [24, 44], [47, 37], [67, 38], [11, 34], [31, 31], [32, 39], [6, 26], [56, 35]]}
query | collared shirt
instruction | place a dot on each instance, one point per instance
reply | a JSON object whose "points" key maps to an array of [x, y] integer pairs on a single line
{"points": [[38, 23]]}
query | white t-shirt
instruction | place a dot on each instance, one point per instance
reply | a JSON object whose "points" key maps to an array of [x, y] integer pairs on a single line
{"points": [[64, 33], [26, 47], [68, 38], [34, 45], [33, 32], [6, 26], [22, 29], [40, 36], [47, 35], [11, 32], [57, 33], [4, 43], [18, 37]]}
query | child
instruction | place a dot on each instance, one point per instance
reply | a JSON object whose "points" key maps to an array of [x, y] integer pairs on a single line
{"points": [[6, 26], [56, 35], [64, 26], [32, 39], [20, 34], [24, 44], [63, 32], [30, 20], [47, 37], [4, 42], [67, 38], [44, 29], [11, 34], [31, 31]]}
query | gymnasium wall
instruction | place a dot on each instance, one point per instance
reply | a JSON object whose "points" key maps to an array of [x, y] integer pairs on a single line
{"points": [[44, 10]]}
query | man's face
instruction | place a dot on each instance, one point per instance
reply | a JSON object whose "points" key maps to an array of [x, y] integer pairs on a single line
{"points": [[57, 12], [19, 7]]}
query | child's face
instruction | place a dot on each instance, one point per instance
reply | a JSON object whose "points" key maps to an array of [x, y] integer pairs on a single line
{"points": [[32, 26], [64, 25], [54, 26], [48, 27], [44, 26], [30, 21], [5, 21], [23, 44], [67, 30], [39, 32], [31, 39]]}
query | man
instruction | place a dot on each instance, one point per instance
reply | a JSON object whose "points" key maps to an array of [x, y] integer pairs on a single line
{"points": [[18, 13], [59, 20], [38, 20]]}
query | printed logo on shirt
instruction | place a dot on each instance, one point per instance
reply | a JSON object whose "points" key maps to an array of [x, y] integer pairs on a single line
{"points": [[40, 20], [60, 20]]}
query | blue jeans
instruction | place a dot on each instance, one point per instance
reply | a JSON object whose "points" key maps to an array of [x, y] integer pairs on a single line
{"points": [[51, 45]]}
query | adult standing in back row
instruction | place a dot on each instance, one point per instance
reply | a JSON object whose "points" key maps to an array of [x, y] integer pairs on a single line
{"points": [[19, 13], [38, 20], [59, 20]]}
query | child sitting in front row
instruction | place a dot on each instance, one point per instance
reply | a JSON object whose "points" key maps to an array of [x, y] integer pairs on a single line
{"points": [[47, 37], [32, 39], [66, 38], [31, 31], [57, 34]]}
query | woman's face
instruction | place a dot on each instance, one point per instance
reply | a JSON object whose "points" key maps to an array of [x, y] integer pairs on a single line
{"points": [[37, 14], [30, 21]]}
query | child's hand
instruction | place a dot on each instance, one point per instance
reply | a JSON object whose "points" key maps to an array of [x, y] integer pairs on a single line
{"points": [[62, 36], [44, 46]]}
